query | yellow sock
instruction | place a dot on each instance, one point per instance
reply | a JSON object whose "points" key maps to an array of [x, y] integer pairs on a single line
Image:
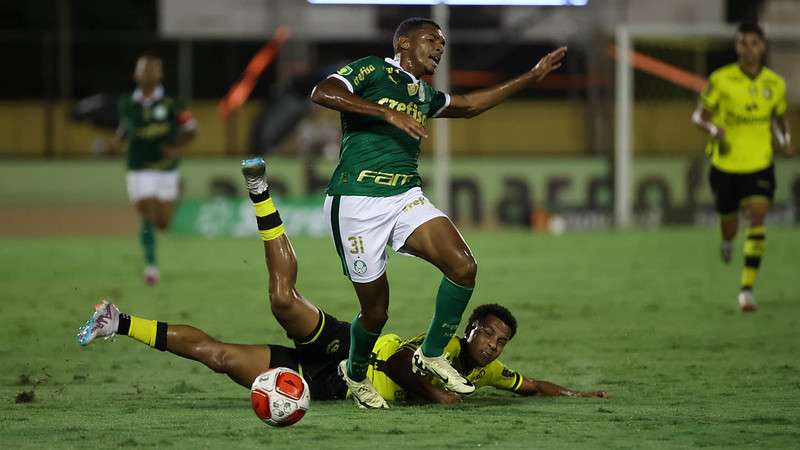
{"points": [[270, 225], [753, 252], [143, 330], [150, 332]]}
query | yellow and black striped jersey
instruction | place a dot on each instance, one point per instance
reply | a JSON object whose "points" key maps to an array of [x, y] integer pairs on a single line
{"points": [[744, 108], [496, 374]]}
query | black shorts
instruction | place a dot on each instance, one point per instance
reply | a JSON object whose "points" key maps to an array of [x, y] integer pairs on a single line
{"points": [[731, 188], [318, 360]]}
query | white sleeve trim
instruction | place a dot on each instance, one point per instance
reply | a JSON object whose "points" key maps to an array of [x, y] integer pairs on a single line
{"points": [[343, 80], [446, 104]]}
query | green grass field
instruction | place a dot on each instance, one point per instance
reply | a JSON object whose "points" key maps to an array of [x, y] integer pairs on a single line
{"points": [[649, 316]]}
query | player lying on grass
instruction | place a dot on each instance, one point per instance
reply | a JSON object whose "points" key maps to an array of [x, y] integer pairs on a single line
{"points": [[322, 342]]}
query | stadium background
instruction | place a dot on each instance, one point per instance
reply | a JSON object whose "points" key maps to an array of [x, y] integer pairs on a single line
{"points": [[521, 175]]}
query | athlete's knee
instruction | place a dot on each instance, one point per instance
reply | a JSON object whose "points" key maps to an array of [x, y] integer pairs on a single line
{"points": [[162, 224], [282, 297], [464, 271], [222, 360]]}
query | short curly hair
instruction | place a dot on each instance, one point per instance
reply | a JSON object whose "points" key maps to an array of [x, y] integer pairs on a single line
{"points": [[492, 309], [751, 27], [408, 26]]}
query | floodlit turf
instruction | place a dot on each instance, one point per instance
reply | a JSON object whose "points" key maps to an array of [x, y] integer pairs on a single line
{"points": [[649, 316]]}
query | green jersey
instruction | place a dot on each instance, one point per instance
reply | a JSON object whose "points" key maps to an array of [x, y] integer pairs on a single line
{"points": [[376, 159], [149, 124]]}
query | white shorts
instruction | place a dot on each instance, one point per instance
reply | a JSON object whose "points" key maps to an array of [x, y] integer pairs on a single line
{"points": [[158, 184], [363, 226]]}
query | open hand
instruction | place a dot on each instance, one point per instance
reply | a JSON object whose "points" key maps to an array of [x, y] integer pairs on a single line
{"points": [[406, 123], [549, 63]]}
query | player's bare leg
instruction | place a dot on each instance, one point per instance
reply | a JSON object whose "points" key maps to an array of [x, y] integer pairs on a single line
{"points": [[164, 211], [148, 212], [755, 210], [439, 242], [294, 313], [242, 363], [728, 225]]}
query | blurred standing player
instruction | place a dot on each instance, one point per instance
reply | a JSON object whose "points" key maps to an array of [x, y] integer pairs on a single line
{"points": [[374, 196], [738, 109], [155, 126]]}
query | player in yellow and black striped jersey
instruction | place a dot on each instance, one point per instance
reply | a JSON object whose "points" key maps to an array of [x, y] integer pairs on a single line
{"points": [[742, 108], [321, 341]]}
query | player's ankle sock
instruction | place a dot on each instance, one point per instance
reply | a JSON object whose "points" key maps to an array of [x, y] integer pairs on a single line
{"points": [[270, 225], [451, 301], [150, 332], [147, 237], [753, 252], [361, 343]]}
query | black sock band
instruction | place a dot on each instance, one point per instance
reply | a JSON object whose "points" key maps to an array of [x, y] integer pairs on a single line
{"points": [[124, 324], [161, 336], [258, 198]]}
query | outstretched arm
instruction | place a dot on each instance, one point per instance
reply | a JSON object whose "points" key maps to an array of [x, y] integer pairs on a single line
{"points": [[531, 386], [398, 367], [332, 93], [474, 103]]}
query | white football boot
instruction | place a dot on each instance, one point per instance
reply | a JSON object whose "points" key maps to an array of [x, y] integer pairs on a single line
{"points": [[364, 393], [440, 367], [103, 323], [746, 301], [151, 275], [255, 171]]}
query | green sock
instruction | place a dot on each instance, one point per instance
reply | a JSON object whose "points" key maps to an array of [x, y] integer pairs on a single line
{"points": [[147, 237], [361, 343], [451, 301]]}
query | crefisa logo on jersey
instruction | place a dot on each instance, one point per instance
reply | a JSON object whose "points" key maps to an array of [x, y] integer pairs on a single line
{"points": [[160, 112], [360, 267]]}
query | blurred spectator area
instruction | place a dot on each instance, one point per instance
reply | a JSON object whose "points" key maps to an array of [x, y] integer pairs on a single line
{"points": [[65, 57]]}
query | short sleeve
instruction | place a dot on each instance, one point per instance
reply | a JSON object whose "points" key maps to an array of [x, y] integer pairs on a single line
{"points": [[439, 103], [781, 104], [710, 94], [501, 377], [358, 74]]}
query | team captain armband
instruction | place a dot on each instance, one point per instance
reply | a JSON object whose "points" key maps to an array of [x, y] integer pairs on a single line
{"points": [[270, 225]]}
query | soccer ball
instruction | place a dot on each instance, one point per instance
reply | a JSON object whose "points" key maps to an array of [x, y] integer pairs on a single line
{"points": [[280, 397]]}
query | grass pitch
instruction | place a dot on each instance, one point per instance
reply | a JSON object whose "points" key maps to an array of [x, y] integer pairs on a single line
{"points": [[651, 317]]}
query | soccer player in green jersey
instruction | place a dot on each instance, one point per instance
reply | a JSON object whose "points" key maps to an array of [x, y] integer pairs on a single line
{"points": [[742, 108], [321, 341], [154, 125], [374, 197]]}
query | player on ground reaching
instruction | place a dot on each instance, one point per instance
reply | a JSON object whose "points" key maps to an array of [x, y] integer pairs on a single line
{"points": [[320, 340], [154, 125], [738, 109], [374, 197]]}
